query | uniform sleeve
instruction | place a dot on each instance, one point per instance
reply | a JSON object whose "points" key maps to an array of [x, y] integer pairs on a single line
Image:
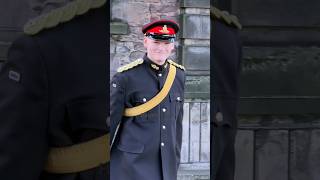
{"points": [[117, 103], [179, 127], [23, 112]]}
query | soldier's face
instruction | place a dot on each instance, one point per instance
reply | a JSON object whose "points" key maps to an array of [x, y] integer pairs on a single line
{"points": [[158, 51]]}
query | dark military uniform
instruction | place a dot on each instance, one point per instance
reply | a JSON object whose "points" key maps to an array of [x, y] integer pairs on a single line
{"points": [[146, 146], [53, 91], [225, 67]]}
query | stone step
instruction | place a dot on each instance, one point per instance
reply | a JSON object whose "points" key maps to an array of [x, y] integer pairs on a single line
{"points": [[194, 175]]}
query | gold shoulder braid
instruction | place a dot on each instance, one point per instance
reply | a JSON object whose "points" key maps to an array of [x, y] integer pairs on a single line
{"points": [[130, 65], [61, 15], [176, 64], [226, 17]]}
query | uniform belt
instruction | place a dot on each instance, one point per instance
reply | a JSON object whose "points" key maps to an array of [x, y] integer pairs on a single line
{"points": [[79, 157], [135, 111]]}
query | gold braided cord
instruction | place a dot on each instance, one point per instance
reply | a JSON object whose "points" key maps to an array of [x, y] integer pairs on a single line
{"points": [[61, 15]]}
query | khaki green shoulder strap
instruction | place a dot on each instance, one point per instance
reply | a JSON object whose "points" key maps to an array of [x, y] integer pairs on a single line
{"points": [[61, 15], [226, 17]]}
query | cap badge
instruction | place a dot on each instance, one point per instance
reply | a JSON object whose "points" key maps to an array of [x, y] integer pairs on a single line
{"points": [[164, 29]]}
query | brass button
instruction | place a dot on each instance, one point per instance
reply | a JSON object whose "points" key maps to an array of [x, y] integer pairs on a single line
{"points": [[163, 127], [159, 74], [164, 109], [219, 117], [162, 144]]}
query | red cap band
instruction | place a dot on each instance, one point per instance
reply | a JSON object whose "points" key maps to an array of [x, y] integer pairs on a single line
{"points": [[162, 30]]}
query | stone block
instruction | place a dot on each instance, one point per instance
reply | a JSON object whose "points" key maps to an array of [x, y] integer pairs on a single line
{"points": [[185, 134], [196, 58], [271, 157], [134, 35], [280, 36], [195, 4], [119, 28], [195, 171], [244, 155], [287, 76], [279, 105], [134, 13], [205, 132], [305, 154], [197, 11], [163, 8], [197, 87], [195, 132], [288, 13], [195, 26], [136, 55]]}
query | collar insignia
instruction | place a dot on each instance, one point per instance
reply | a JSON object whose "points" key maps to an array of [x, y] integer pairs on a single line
{"points": [[154, 66]]}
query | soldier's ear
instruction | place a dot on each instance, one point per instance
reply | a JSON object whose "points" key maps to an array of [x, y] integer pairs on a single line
{"points": [[172, 45], [173, 50], [145, 42]]}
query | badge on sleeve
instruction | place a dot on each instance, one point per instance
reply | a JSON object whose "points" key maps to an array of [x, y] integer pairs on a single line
{"points": [[14, 75]]}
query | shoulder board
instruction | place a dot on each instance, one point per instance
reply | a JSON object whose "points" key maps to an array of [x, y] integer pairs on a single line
{"points": [[226, 17], [130, 65], [60, 15], [176, 64]]}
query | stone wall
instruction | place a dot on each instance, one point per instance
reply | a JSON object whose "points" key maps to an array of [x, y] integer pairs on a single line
{"points": [[280, 93]]}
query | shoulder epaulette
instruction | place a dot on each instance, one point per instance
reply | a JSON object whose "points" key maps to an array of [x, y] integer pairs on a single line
{"points": [[60, 15], [176, 64], [130, 65], [226, 17]]}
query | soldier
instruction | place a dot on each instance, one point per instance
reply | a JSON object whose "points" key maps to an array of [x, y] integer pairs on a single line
{"points": [[147, 98], [225, 68], [53, 96]]}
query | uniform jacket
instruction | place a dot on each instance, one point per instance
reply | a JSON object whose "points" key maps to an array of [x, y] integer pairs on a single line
{"points": [[226, 56], [146, 146], [225, 67], [53, 94]]}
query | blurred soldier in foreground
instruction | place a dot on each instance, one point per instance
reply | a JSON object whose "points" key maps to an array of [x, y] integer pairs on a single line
{"points": [[53, 96], [225, 68]]}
